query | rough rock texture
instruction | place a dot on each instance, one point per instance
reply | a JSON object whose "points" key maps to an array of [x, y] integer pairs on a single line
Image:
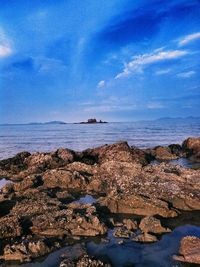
{"points": [[189, 250], [192, 148], [43, 200]]}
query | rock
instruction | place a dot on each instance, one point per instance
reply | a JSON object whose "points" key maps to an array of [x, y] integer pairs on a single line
{"points": [[164, 153], [189, 250], [87, 261], [120, 152], [76, 222], [13, 165], [130, 224], [152, 225], [25, 251], [10, 227], [122, 232], [137, 205], [192, 148], [177, 150], [145, 238]]}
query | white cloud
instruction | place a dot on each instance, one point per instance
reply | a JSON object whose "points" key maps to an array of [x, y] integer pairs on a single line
{"points": [[140, 62], [101, 84], [162, 72], [155, 105], [189, 38], [187, 74], [5, 45]]}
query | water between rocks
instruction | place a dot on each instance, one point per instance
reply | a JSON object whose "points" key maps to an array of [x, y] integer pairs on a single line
{"points": [[129, 253]]}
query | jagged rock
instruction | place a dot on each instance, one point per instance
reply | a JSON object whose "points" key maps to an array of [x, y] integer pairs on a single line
{"points": [[189, 250], [152, 225]]}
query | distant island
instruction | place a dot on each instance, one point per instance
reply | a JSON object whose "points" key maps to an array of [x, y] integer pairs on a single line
{"points": [[92, 121]]}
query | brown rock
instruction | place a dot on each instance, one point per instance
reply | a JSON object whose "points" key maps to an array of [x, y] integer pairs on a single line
{"points": [[25, 251], [152, 225], [192, 147], [10, 227], [130, 224], [164, 153], [145, 238], [189, 250]]}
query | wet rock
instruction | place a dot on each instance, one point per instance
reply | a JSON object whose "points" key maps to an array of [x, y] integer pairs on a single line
{"points": [[145, 238], [189, 250], [152, 225], [192, 148], [10, 227]]}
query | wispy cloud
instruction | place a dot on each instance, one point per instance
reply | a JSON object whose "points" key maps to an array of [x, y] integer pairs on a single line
{"points": [[140, 62], [162, 72], [189, 38], [187, 74], [5, 46], [101, 84]]}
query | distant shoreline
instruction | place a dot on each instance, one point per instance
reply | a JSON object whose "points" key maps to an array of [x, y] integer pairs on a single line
{"points": [[165, 119]]}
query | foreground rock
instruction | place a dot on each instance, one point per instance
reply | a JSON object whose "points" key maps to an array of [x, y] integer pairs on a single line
{"points": [[189, 250], [42, 203]]}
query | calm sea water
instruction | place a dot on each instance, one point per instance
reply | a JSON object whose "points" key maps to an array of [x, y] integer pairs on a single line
{"points": [[17, 138]]}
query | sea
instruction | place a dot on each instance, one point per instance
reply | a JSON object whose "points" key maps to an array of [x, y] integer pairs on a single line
{"points": [[49, 137]]}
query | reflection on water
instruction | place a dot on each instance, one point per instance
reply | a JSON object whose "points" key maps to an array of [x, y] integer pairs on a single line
{"points": [[16, 138]]}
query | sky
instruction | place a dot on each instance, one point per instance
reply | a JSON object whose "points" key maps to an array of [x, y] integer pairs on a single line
{"points": [[115, 60]]}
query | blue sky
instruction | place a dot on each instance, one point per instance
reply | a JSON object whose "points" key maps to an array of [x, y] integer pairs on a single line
{"points": [[115, 60]]}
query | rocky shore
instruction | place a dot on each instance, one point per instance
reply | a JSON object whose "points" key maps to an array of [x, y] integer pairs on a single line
{"points": [[41, 211]]}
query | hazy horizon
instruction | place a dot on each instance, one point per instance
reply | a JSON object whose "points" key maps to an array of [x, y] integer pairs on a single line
{"points": [[114, 60]]}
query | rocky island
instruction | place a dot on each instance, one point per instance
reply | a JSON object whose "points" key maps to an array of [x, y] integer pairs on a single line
{"points": [[92, 121], [66, 197]]}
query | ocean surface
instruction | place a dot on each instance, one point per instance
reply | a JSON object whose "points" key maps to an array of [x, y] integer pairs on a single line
{"points": [[44, 137]]}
